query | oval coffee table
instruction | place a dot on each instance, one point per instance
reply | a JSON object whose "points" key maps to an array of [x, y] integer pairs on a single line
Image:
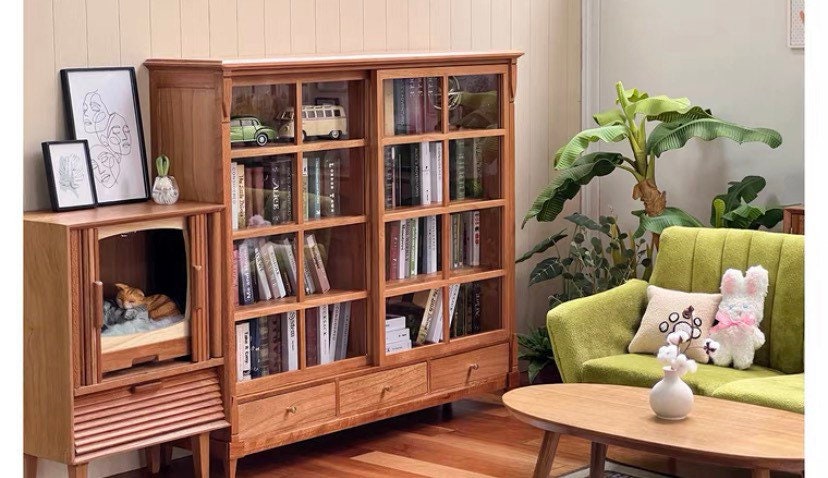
{"points": [[716, 431]]}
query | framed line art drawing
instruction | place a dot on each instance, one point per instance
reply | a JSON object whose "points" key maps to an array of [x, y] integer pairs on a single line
{"points": [[796, 23], [69, 175], [102, 107]]}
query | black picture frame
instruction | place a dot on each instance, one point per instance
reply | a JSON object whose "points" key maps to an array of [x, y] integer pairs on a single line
{"points": [[54, 195], [66, 88]]}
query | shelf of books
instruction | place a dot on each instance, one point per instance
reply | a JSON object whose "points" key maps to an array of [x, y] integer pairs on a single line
{"points": [[299, 229], [441, 147]]}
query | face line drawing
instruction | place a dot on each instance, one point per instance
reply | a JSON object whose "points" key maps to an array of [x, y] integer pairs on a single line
{"points": [[95, 113]]}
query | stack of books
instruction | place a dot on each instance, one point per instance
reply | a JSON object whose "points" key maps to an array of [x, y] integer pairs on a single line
{"points": [[465, 239], [412, 247], [264, 269], [466, 316], [261, 194], [320, 184], [397, 335], [423, 312], [466, 168], [413, 174], [408, 105], [270, 345]]}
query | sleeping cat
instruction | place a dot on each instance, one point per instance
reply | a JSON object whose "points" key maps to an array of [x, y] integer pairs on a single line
{"points": [[158, 305]]}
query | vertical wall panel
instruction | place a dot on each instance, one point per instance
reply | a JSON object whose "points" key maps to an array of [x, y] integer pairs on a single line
{"points": [[461, 24], [104, 38], [501, 24], [418, 25], [135, 48], [374, 21], [327, 26], [70, 33], [302, 26], [224, 39], [351, 25], [195, 29], [397, 25], [481, 25], [439, 25], [165, 28], [251, 28], [277, 27]]}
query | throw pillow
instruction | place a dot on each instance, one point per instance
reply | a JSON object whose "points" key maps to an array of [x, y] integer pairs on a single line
{"points": [[673, 310]]}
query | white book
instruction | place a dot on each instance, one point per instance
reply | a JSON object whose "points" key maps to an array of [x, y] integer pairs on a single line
{"points": [[394, 322], [324, 337], [428, 315], [243, 351], [435, 328], [234, 196], [272, 269], [397, 335], [431, 244], [345, 329], [290, 342], [437, 172], [336, 312], [397, 347], [425, 174], [261, 276], [285, 251], [402, 262], [454, 292]]}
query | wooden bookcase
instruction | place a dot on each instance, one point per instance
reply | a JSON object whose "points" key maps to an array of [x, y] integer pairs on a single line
{"points": [[192, 104]]}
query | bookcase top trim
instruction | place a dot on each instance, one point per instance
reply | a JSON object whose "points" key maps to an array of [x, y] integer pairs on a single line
{"points": [[120, 214], [372, 60]]}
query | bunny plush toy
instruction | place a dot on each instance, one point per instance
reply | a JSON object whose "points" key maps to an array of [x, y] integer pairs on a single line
{"points": [[736, 328]]}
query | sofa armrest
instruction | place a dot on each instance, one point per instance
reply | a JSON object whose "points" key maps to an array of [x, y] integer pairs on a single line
{"points": [[596, 326]]}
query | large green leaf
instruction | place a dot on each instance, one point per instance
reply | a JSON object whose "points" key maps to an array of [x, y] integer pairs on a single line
{"points": [[571, 151], [546, 269], [568, 182], [657, 105], [585, 221], [747, 216], [695, 112], [671, 216], [738, 192], [632, 95], [543, 245], [674, 135], [609, 117]]}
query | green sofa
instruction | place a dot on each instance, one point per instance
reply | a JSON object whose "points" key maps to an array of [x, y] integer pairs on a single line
{"points": [[590, 335]]}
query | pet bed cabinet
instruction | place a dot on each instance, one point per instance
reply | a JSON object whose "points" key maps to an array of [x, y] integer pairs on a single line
{"points": [[88, 393], [198, 106]]}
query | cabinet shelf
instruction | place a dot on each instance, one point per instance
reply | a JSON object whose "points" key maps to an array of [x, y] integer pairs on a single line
{"points": [[243, 152], [408, 212], [292, 227], [433, 281], [437, 136], [286, 304]]}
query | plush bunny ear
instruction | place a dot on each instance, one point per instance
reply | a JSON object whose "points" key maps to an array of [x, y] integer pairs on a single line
{"points": [[756, 281], [731, 282]]}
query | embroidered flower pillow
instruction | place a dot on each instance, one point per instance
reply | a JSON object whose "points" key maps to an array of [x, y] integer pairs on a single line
{"points": [[670, 311]]}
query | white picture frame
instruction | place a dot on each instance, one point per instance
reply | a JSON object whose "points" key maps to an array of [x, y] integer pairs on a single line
{"points": [[102, 108], [796, 24], [69, 174]]}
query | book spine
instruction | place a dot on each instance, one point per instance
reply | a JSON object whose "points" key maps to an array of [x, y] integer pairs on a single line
{"points": [[290, 341], [394, 250], [397, 347], [435, 328], [388, 166], [308, 271], [320, 275], [437, 172], [477, 307], [242, 195], [315, 186], [324, 335], [235, 275], [397, 335], [474, 233], [330, 185], [394, 323], [255, 371], [459, 170], [413, 227], [274, 324], [428, 315], [284, 169], [400, 113], [474, 169], [272, 269], [312, 336], [455, 241], [345, 330], [425, 173], [467, 308], [245, 275], [243, 351], [416, 180], [388, 106], [454, 292], [431, 248], [396, 153], [258, 191], [261, 275], [234, 196], [286, 248], [248, 194], [335, 312], [305, 185], [273, 194], [264, 347], [403, 251]]}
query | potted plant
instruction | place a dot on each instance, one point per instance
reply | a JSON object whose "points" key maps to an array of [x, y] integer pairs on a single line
{"points": [[677, 122], [733, 209]]}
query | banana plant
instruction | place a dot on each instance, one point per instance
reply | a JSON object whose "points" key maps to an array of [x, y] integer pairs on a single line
{"points": [[677, 121], [733, 209]]}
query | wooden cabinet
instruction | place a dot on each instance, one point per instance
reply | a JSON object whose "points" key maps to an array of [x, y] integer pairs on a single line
{"points": [[793, 219], [96, 383], [264, 130]]}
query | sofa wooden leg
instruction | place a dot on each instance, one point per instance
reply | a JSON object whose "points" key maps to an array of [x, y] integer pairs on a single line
{"points": [[29, 466], [153, 458], [230, 465], [166, 454], [77, 471], [201, 455]]}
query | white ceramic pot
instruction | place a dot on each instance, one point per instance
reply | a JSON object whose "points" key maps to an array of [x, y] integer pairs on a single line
{"points": [[671, 398]]}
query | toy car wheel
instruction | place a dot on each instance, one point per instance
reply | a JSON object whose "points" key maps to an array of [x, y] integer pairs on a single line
{"points": [[336, 134], [261, 139]]}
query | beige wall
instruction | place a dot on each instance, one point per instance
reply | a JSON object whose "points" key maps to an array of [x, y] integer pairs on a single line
{"points": [[79, 33]]}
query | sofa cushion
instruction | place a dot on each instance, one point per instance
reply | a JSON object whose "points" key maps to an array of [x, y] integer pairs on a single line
{"points": [[786, 392], [645, 371]]}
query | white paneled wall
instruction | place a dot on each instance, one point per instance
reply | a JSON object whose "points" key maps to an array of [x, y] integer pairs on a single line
{"points": [[79, 33]]}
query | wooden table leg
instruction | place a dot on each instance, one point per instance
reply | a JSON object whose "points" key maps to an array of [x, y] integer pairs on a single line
{"points": [[153, 458], [760, 473], [230, 465], [77, 471], [201, 455], [546, 454], [166, 454], [597, 457], [29, 466]]}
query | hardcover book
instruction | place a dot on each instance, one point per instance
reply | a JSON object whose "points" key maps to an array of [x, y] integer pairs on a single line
{"points": [[234, 196], [393, 250], [329, 199], [312, 336], [261, 275], [320, 276], [274, 325], [344, 331], [245, 275], [243, 351], [290, 341], [258, 191], [242, 195]]}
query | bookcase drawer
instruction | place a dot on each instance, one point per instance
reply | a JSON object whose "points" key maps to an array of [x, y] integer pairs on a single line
{"points": [[382, 388], [464, 369], [287, 410]]}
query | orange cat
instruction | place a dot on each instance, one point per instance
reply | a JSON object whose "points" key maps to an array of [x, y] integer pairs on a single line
{"points": [[158, 305]]}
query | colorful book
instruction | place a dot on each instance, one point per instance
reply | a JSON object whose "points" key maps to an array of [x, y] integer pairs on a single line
{"points": [[471, 232], [305, 185], [243, 351], [255, 371], [248, 194]]}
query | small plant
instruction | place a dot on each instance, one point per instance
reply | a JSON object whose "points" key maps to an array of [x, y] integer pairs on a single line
{"points": [[536, 348], [732, 209], [587, 266], [680, 341]]}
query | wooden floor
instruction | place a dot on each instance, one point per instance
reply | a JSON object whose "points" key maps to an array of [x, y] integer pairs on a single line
{"points": [[474, 439]]}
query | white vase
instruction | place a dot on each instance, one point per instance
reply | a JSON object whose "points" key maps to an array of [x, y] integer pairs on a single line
{"points": [[671, 398]]}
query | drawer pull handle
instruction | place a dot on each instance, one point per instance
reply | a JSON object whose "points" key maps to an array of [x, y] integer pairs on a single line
{"points": [[292, 409], [474, 366], [386, 389], [146, 387]]}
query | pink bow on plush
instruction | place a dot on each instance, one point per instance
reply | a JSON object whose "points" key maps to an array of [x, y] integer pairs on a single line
{"points": [[725, 321]]}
